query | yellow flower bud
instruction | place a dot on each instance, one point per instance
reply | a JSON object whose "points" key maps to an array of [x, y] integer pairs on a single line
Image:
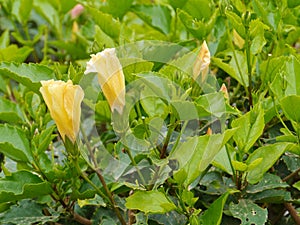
{"points": [[202, 62], [110, 77], [224, 90], [63, 100], [209, 131]]}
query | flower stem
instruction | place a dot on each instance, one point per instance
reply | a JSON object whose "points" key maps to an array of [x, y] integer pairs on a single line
{"points": [[168, 137], [135, 165], [248, 56], [109, 196]]}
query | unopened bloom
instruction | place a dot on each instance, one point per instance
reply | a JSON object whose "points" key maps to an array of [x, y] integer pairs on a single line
{"points": [[76, 11], [110, 77], [209, 131], [201, 65], [224, 90], [63, 100]]}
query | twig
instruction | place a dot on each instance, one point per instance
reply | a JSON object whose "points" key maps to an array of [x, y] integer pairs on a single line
{"points": [[291, 175], [101, 178], [293, 212], [81, 219]]}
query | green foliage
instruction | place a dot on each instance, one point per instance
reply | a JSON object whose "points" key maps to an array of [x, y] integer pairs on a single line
{"points": [[249, 128], [29, 75], [214, 213], [158, 203], [249, 213], [27, 212], [157, 16], [195, 155], [14, 143], [22, 185], [182, 150]]}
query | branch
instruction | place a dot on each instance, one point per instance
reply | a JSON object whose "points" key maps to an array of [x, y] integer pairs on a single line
{"points": [[291, 175], [293, 212], [81, 219]]}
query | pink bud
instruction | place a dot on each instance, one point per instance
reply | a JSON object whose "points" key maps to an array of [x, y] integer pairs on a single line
{"points": [[76, 11]]}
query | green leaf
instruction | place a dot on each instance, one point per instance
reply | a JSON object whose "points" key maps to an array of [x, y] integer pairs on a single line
{"points": [[293, 3], [131, 67], [270, 155], [288, 104], [170, 218], [236, 68], [66, 5], [268, 182], [214, 103], [297, 185], [116, 8], [292, 162], [249, 213], [45, 138], [188, 197], [195, 155], [106, 22], [213, 215], [102, 39], [239, 166], [254, 163], [21, 10], [13, 53], [4, 39], [30, 42], [270, 17], [75, 51], [157, 16], [271, 196], [185, 110], [14, 143], [29, 75], [249, 128], [141, 218], [198, 28], [27, 212], [156, 202], [9, 111], [154, 106], [199, 9], [222, 161], [257, 30], [49, 12], [102, 110], [22, 185], [237, 23], [284, 78], [177, 3]]}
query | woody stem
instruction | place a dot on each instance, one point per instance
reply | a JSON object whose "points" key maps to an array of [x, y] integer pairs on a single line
{"points": [[102, 180]]}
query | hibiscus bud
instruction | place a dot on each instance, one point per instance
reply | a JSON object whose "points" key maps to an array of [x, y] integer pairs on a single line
{"points": [[63, 100], [76, 11], [224, 90], [209, 131], [110, 77], [201, 65]]}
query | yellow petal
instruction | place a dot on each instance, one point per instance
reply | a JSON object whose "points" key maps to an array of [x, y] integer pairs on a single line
{"points": [[201, 65], [110, 77], [63, 100]]}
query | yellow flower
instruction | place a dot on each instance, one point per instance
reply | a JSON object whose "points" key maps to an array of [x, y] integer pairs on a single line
{"points": [[63, 100], [202, 62], [225, 91], [110, 77]]}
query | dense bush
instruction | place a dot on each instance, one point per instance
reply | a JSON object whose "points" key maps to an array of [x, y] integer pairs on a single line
{"points": [[150, 112]]}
